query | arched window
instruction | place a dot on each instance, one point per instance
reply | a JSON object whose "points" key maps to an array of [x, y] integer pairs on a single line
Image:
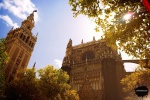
{"points": [[21, 35], [27, 39], [24, 37], [29, 27], [89, 55], [32, 44]]}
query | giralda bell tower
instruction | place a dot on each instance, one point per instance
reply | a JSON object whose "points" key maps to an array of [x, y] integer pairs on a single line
{"points": [[19, 44]]}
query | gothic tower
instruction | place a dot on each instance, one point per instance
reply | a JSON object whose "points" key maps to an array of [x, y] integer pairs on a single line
{"points": [[95, 70], [19, 46]]}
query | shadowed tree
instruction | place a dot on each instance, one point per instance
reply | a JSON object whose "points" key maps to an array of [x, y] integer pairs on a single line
{"points": [[141, 77], [51, 84], [3, 60], [24, 86]]}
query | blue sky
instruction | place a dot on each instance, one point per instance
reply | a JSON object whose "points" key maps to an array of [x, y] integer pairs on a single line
{"points": [[55, 25]]}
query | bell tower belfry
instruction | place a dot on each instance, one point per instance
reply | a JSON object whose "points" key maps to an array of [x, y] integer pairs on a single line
{"points": [[28, 24], [19, 44]]}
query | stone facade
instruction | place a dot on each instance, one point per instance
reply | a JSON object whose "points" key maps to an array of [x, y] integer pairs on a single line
{"points": [[19, 46], [95, 70]]}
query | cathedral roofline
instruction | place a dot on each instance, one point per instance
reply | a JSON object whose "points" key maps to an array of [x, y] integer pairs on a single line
{"points": [[88, 43]]}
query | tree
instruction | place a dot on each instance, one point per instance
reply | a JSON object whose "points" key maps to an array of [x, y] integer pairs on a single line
{"points": [[141, 77], [24, 86], [131, 35], [70, 95], [3, 60], [54, 86], [49, 84]]}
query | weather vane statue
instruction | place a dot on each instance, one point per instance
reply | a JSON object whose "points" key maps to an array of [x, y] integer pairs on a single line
{"points": [[31, 17], [34, 11]]}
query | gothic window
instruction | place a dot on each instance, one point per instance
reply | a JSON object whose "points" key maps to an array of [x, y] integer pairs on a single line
{"points": [[29, 43], [17, 63], [24, 37], [27, 39], [29, 27], [89, 55], [21, 35], [32, 44], [21, 54]]}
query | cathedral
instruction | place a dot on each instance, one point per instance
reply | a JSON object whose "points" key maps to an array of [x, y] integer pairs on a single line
{"points": [[19, 45], [95, 70]]}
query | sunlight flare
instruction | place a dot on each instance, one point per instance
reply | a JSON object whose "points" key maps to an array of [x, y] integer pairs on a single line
{"points": [[127, 16]]}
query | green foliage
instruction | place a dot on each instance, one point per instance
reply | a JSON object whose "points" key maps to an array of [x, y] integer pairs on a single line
{"points": [[131, 35], [3, 55], [50, 84], [140, 76], [24, 86], [3, 61], [53, 83], [70, 95]]}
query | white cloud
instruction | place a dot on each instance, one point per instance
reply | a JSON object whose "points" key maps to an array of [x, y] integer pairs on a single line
{"points": [[9, 21], [58, 62], [19, 8]]}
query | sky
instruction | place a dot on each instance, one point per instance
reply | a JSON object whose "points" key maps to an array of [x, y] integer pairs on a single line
{"points": [[55, 25]]}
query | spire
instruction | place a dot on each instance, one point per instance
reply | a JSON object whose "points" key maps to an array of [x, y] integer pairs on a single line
{"points": [[82, 41], [34, 65], [31, 17], [69, 43], [69, 48], [37, 34], [28, 24], [12, 28], [93, 38]]}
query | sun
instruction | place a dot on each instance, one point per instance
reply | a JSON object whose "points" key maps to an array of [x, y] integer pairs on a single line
{"points": [[127, 16]]}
